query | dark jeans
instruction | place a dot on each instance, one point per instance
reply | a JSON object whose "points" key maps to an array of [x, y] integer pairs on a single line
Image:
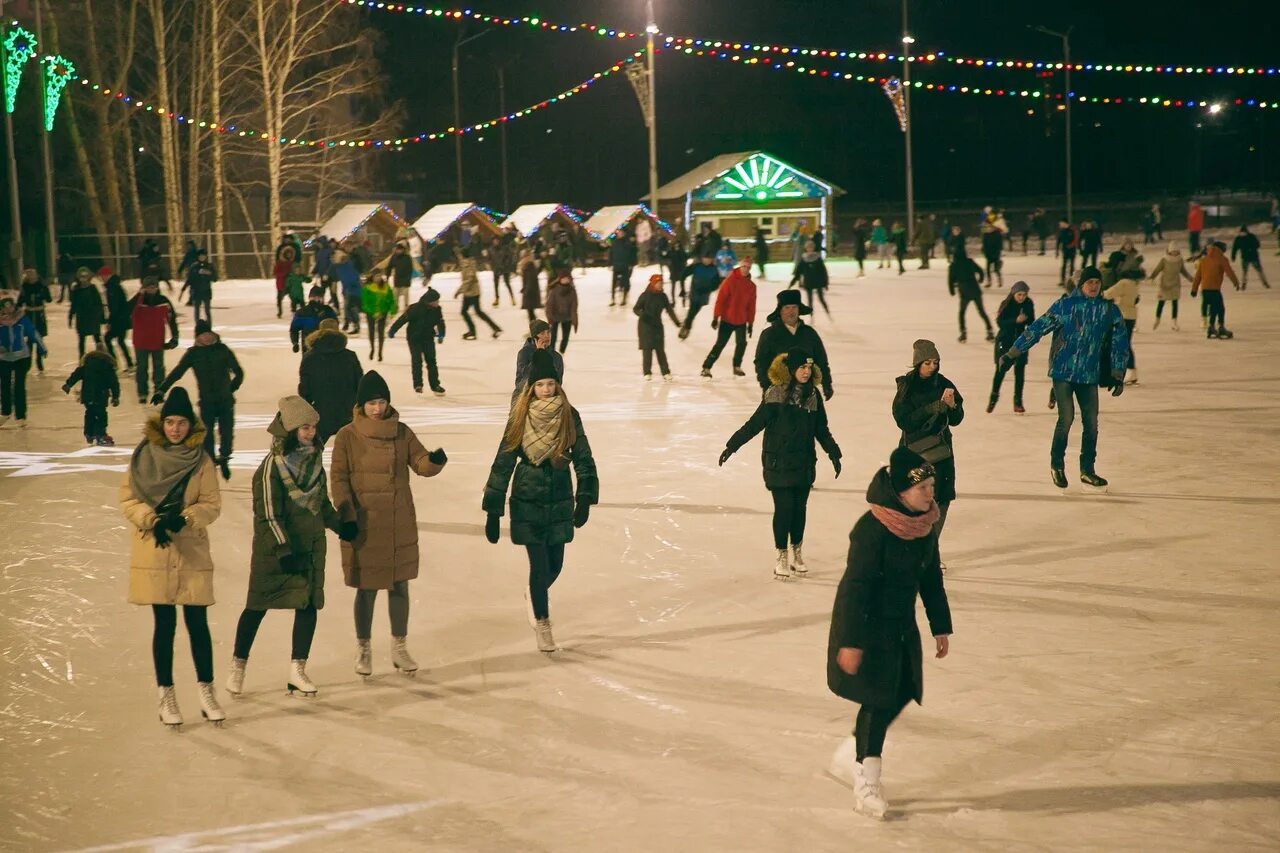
{"points": [[1019, 369], [726, 331], [1160, 310], [223, 414], [397, 607], [1133, 359], [351, 312], [420, 351], [95, 421], [377, 333], [790, 510], [562, 328], [545, 563], [498, 278], [695, 305], [1194, 239], [1068, 265], [993, 270], [621, 282], [1215, 308], [197, 619], [150, 362], [1244, 271], [13, 387], [81, 336], [924, 255], [205, 302], [1066, 395], [1089, 259], [821, 294], [982, 311], [304, 629], [472, 303], [874, 721], [124, 347], [646, 359]]}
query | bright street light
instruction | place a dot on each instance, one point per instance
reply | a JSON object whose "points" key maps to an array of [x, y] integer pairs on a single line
{"points": [[908, 40], [1215, 108]]}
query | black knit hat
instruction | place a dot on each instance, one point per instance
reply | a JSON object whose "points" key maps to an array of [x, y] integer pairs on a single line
{"points": [[203, 326], [542, 366], [908, 468], [797, 357], [178, 404], [538, 326], [372, 387], [1089, 274], [316, 290]]}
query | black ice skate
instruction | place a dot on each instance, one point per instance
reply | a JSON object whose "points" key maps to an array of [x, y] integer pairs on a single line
{"points": [[1225, 334], [991, 403], [1059, 477], [1089, 478]]}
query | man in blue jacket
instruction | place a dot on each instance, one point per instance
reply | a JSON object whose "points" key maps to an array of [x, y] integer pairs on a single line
{"points": [[1080, 322]]}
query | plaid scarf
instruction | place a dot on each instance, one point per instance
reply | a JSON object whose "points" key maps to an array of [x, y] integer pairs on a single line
{"points": [[302, 472], [541, 429]]}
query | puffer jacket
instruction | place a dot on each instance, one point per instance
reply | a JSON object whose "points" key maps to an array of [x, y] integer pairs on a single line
{"points": [[1077, 352], [1124, 293], [99, 384], [17, 338], [370, 486], [542, 496], [562, 303], [328, 379], [1168, 275], [919, 412], [875, 606], [378, 300], [1212, 269], [791, 426], [87, 309], [283, 526], [181, 572]]}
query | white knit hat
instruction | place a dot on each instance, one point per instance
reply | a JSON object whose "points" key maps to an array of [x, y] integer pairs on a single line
{"points": [[295, 411]]}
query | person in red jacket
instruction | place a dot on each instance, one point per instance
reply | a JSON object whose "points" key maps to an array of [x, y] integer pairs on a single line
{"points": [[151, 312], [1195, 224], [734, 315]]}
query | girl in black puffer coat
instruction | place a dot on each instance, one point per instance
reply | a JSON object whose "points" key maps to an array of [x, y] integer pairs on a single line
{"points": [[925, 408], [793, 417], [1012, 318]]}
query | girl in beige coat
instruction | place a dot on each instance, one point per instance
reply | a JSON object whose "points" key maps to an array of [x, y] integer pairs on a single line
{"points": [[369, 483], [170, 496], [1168, 276]]}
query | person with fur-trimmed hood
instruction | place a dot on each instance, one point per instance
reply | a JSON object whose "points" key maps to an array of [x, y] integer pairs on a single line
{"points": [[793, 417], [170, 497], [99, 386], [329, 378], [218, 377], [787, 331], [308, 318], [372, 459], [291, 512], [543, 438], [874, 654]]}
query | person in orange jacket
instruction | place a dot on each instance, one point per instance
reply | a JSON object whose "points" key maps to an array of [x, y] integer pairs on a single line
{"points": [[1213, 267], [734, 315]]}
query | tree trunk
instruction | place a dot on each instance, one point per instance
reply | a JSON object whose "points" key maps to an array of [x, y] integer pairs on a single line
{"points": [[215, 96], [168, 142], [105, 154]]}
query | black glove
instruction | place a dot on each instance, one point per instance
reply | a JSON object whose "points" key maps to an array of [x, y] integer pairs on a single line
{"points": [[290, 565], [172, 343], [715, 322], [750, 329], [66, 389], [157, 398], [437, 456], [491, 529], [1118, 376], [835, 463], [296, 347], [724, 457], [175, 522], [827, 392], [581, 511], [161, 534], [348, 531]]}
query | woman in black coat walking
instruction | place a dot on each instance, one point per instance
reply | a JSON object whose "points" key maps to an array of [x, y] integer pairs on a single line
{"points": [[925, 408], [793, 416], [1012, 318], [874, 654]]}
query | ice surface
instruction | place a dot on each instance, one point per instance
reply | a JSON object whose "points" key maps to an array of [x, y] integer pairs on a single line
{"points": [[1112, 682]]}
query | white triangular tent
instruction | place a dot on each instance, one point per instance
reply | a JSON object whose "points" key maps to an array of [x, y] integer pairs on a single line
{"points": [[352, 218], [610, 220], [529, 218], [433, 224]]}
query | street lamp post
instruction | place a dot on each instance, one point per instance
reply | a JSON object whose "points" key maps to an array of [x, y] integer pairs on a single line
{"points": [[907, 41], [1066, 61], [457, 106]]}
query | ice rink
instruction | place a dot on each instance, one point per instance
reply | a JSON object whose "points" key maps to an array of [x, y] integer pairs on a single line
{"points": [[1112, 683]]}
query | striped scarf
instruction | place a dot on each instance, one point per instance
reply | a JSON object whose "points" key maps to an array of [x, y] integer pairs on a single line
{"points": [[302, 472]]}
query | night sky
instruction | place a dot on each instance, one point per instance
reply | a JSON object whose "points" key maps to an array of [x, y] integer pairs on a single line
{"points": [[965, 146]]}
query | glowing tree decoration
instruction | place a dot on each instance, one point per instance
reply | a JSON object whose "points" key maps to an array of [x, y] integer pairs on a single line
{"points": [[19, 46], [893, 89], [58, 72]]}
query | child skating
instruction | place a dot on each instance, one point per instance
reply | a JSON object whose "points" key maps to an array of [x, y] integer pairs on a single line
{"points": [[99, 387]]}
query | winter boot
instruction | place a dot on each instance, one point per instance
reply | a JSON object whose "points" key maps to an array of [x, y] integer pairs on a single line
{"points": [[991, 403], [209, 707], [667, 377], [1089, 478], [298, 678], [546, 642], [844, 762], [1059, 477], [438, 390], [1018, 408], [871, 800], [782, 566], [400, 657], [797, 560], [169, 713], [1213, 333], [648, 377], [738, 371], [1224, 334], [364, 657], [235, 680]]}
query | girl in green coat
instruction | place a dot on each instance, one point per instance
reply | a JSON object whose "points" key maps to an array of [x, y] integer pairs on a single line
{"points": [[291, 510], [544, 436], [378, 302]]}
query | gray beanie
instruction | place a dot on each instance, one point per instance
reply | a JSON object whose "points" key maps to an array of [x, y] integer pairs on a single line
{"points": [[295, 411], [923, 350], [1020, 287]]}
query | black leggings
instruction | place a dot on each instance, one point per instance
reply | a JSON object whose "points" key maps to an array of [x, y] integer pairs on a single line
{"points": [[472, 303], [545, 563], [197, 619], [874, 721], [124, 347], [1133, 359], [982, 311], [562, 328], [1160, 310], [82, 336], [397, 607], [790, 509], [304, 629], [377, 332], [1019, 379], [821, 294]]}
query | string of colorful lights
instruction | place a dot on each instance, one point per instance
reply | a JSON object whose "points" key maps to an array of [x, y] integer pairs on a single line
{"points": [[385, 144], [537, 22]]}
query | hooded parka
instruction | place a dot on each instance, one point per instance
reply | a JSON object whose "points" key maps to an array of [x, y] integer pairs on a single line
{"points": [[328, 379], [1168, 274], [370, 486], [875, 606]]}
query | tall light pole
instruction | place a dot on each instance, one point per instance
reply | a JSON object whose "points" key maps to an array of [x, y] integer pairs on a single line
{"points": [[651, 30], [1066, 60], [907, 41], [48, 162], [15, 212], [457, 106]]}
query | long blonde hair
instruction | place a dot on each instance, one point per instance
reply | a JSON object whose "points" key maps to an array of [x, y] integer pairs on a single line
{"points": [[566, 434]]}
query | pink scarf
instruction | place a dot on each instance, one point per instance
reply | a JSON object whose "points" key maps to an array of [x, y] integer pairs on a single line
{"points": [[906, 526]]}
